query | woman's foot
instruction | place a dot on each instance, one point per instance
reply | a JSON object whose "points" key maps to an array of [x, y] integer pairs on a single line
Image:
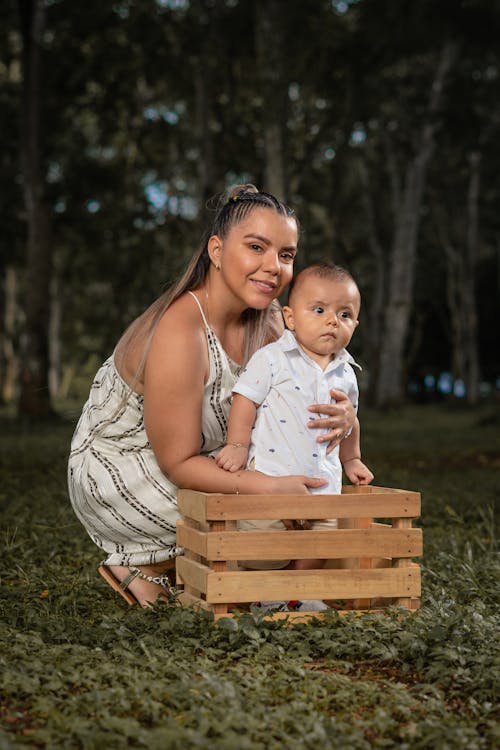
{"points": [[145, 592]]}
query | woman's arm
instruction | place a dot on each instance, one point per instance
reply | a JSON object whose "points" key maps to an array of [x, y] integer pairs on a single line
{"points": [[339, 420], [176, 368]]}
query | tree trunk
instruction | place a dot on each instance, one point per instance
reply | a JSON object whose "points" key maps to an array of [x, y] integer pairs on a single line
{"points": [[461, 289], [34, 399], [377, 302], [54, 339], [206, 172], [472, 253], [9, 356], [271, 61], [402, 262]]}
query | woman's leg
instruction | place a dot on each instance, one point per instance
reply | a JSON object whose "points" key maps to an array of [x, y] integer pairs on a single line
{"points": [[144, 591]]}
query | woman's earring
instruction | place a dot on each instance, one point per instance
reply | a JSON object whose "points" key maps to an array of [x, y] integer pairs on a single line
{"points": [[217, 267]]}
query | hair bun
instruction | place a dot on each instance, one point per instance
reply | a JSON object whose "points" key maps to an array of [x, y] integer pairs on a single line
{"points": [[237, 191]]}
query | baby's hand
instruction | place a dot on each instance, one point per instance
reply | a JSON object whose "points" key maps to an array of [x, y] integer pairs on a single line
{"points": [[357, 472], [232, 457]]}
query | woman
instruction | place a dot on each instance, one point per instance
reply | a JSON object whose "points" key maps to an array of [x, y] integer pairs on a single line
{"points": [[157, 410]]}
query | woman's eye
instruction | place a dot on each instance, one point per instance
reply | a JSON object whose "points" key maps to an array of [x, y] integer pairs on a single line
{"points": [[255, 247], [287, 257]]}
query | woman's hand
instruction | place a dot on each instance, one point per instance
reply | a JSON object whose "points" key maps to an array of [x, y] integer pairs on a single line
{"points": [[339, 420], [294, 485]]}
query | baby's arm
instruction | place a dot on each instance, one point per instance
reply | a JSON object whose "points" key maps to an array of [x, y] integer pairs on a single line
{"points": [[350, 456], [233, 455]]}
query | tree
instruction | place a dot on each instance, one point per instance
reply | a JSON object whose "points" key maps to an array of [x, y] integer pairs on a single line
{"points": [[271, 61], [407, 199], [34, 400]]}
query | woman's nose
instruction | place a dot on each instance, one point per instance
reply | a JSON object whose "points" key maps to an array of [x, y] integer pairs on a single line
{"points": [[271, 262]]}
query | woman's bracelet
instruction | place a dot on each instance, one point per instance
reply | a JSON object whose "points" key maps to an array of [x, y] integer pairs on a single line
{"points": [[237, 445]]}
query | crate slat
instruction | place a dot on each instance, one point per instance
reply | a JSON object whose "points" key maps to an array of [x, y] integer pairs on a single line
{"points": [[279, 545], [248, 586], [203, 507], [193, 573]]}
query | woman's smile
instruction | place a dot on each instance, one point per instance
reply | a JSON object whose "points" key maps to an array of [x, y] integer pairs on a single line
{"points": [[267, 287]]}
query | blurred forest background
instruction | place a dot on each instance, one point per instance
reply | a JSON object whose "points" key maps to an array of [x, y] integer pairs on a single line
{"points": [[378, 121]]}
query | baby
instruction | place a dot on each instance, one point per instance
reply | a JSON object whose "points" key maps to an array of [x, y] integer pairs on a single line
{"points": [[267, 424]]}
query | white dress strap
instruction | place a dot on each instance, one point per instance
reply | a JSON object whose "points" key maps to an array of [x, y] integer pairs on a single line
{"points": [[200, 308]]}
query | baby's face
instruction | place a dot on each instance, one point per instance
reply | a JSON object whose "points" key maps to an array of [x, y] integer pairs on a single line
{"points": [[323, 315]]}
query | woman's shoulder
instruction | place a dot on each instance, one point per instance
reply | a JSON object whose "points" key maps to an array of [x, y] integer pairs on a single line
{"points": [[182, 317], [179, 328], [180, 333]]}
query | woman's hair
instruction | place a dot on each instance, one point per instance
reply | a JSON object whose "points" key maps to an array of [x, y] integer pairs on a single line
{"points": [[262, 326]]}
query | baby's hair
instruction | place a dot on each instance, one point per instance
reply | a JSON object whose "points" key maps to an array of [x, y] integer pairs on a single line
{"points": [[321, 271]]}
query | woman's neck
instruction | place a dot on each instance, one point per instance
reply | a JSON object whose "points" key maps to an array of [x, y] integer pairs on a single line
{"points": [[226, 322]]}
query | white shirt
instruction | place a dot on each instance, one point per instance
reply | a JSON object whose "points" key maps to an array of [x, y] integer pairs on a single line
{"points": [[284, 381]]}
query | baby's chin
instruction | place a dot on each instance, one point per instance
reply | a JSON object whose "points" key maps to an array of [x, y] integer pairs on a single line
{"points": [[324, 350]]}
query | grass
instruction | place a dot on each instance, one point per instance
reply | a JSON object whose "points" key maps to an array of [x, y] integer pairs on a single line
{"points": [[80, 669]]}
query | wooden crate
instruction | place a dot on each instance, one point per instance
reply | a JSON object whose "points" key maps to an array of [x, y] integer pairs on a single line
{"points": [[369, 563]]}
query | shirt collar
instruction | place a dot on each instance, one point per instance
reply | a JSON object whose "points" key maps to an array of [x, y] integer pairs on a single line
{"points": [[289, 343]]}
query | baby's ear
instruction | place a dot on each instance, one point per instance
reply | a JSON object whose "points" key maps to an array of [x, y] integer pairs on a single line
{"points": [[288, 316]]}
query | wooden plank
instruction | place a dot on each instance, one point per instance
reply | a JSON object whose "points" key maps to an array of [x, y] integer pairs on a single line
{"points": [[292, 617], [192, 504], [325, 544], [193, 574], [188, 600], [353, 562], [402, 563], [388, 505], [354, 502], [297, 617], [218, 565], [191, 539], [248, 586], [352, 489], [373, 489], [190, 555]]}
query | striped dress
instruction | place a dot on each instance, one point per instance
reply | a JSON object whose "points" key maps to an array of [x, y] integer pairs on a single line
{"points": [[117, 490]]}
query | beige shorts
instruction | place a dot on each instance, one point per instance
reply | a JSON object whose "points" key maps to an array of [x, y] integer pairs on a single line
{"points": [[267, 525]]}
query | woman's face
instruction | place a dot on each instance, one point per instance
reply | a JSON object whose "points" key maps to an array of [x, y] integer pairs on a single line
{"points": [[256, 257]]}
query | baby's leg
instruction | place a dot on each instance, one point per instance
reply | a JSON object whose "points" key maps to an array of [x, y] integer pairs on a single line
{"points": [[305, 564], [311, 564], [262, 525]]}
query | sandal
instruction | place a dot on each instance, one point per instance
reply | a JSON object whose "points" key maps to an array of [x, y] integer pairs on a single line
{"points": [[121, 586]]}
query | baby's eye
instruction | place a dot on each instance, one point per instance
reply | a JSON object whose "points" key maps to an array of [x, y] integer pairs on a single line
{"points": [[318, 310], [346, 315]]}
